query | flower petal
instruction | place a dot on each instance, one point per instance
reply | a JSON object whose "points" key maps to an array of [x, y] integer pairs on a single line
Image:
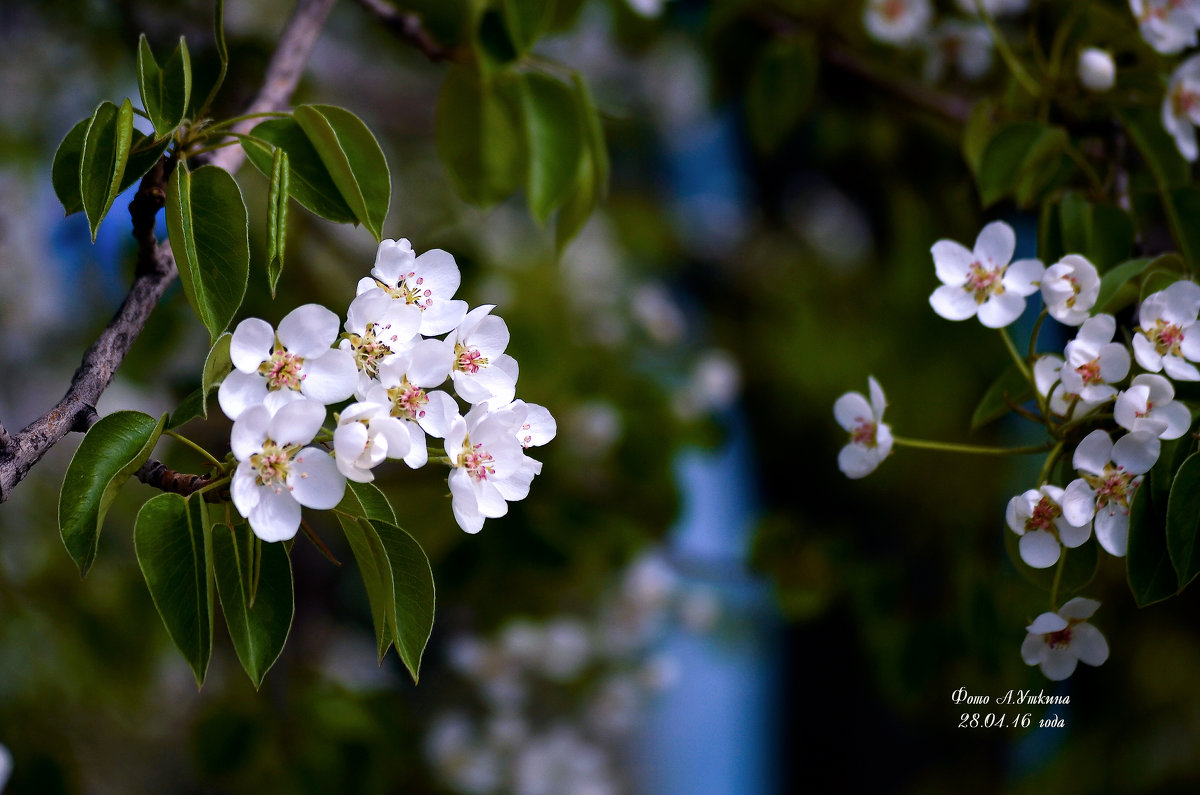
{"points": [[1039, 549], [276, 517], [330, 377], [1088, 644], [953, 303], [996, 244], [1022, 276], [314, 479], [1112, 530], [239, 391], [1080, 607], [1136, 452], [296, 423], [1093, 454], [952, 261], [1000, 310], [309, 330], [251, 344], [1058, 664]]}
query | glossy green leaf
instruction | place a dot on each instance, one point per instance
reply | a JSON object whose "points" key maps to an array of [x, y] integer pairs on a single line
{"points": [[1148, 566], [258, 624], [977, 133], [1156, 279], [216, 365], [1020, 158], [190, 408], [210, 237], [1079, 568], [309, 182], [579, 205], [165, 91], [170, 540], [1113, 296], [479, 137], [527, 20], [782, 84], [102, 160], [64, 174], [222, 56], [555, 138], [494, 45], [395, 571], [143, 154], [1183, 521], [277, 210], [1010, 387], [112, 450], [593, 130], [1155, 144], [354, 160]]}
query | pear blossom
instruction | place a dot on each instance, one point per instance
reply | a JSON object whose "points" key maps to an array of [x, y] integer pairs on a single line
{"points": [[1168, 26], [870, 438], [1111, 474], [276, 473], [1181, 105], [897, 21], [405, 386], [1149, 405], [297, 361], [1167, 336], [1037, 517], [537, 425], [1070, 288], [377, 327], [481, 371], [1047, 376], [490, 469], [367, 434], [983, 281], [994, 8], [1097, 70], [1094, 362], [1058, 641], [966, 45], [427, 282]]}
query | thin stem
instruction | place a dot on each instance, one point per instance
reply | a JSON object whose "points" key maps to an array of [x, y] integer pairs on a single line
{"points": [[1006, 53], [1037, 327], [1058, 573], [210, 148], [441, 459], [181, 438], [1073, 424], [1086, 167], [952, 447], [213, 485], [1022, 365], [220, 125], [1051, 459]]}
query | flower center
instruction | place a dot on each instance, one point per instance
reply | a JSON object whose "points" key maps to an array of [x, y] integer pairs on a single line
{"points": [[1146, 413], [1090, 372], [1074, 290], [1114, 487], [408, 401], [1044, 514], [1184, 101], [271, 465], [369, 350], [283, 371], [864, 433], [893, 10], [411, 289], [468, 360], [527, 439], [1165, 336], [476, 460], [1060, 638], [984, 282]]}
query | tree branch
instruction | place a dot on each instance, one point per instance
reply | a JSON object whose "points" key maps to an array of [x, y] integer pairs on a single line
{"points": [[407, 26], [155, 268]]}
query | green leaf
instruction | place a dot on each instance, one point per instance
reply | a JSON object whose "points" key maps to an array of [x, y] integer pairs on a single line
{"points": [[222, 55], [494, 45], [309, 182], [1112, 296], [258, 624], [1079, 568], [1148, 563], [1011, 385], [527, 20], [1156, 279], [579, 205], [1157, 147], [112, 450], [170, 541], [64, 173], [555, 140], [216, 365], [210, 236], [478, 137], [593, 133], [102, 159], [166, 91], [190, 408], [977, 134], [1019, 160], [354, 160], [782, 84], [1183, 521], [1185, 206], [277, 209], [395, 572]]}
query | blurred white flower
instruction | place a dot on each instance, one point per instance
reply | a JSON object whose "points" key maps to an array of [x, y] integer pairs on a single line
{"points": [[1149, 405], [1037, 517], [1097, 71], [1181, 106], [1167, 336], [1070, 288], [965, 45], [1058, 641], [870, 439], [897, 21]]}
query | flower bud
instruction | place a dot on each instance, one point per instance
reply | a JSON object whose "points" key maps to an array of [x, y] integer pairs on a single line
{"points": [[1097, 71]]}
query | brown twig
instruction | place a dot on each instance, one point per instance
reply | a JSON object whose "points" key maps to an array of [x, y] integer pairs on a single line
{"points": [[948, 106], [156, 267], [407, 26]]}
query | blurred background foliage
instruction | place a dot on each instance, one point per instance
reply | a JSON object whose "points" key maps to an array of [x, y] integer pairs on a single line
{"points": [[764, 247]]}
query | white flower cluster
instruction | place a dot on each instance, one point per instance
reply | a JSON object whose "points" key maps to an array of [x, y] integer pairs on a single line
{"points": [[964, 43], [1170, 26], [561, 694], [1087, 384], [405, 334]]}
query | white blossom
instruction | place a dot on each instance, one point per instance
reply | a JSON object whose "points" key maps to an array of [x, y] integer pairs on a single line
{"points": [[1047, 375], [870, 438], [1149, 405], [276, 474], [536, 424], [966, 45], [1037, 517], [994, 8], [276, 367], [1168, 26], [481, 370], [404, 387], [1058, 641], [897, 21], [1097, 70], [1167, 337], [490, 468], [428, 282], [982, 281], [377, 328], [1111, 474], [1070, 288], [367, 434], [1094, 362], [1181, 106]]}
